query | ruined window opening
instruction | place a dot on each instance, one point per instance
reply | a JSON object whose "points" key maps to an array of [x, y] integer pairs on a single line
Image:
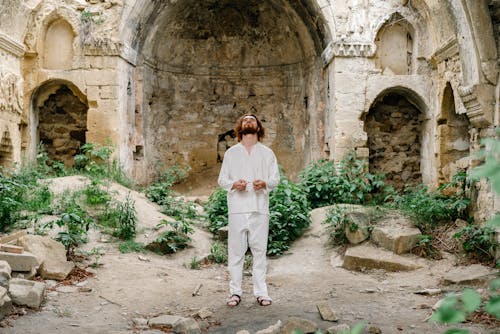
{"points": [[394, 129], [225, 141], [62, 125], [139, 152], [454, 139]]}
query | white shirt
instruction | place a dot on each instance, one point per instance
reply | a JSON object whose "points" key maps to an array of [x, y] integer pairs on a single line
{"points": [[259, 164]]}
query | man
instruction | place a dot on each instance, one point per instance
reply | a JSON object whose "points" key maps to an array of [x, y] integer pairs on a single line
{"points": [[249, 172]]}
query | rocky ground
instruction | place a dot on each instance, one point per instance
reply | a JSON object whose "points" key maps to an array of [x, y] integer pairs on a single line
{"points": [[136, 286]]}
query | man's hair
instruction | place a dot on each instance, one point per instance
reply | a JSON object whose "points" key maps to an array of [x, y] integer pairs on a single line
{"points": [[260, 129]]}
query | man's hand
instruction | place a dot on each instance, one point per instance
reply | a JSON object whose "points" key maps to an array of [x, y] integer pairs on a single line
{"points": [[258, 185], [240, 185]]}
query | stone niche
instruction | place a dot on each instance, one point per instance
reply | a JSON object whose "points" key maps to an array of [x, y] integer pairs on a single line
{"points": [[453, 137], [207, 63], [62, 125], [5, 149], [395, 46], [394, 128]]}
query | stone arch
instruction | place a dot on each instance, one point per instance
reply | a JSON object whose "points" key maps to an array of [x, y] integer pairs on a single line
{"points": [[394, 125], [453, 138], [59, 120], [58, 46], [395, 46], [204, 63], [45, 13]]}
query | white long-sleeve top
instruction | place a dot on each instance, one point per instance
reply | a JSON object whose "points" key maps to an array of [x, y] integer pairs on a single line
{"points": [[259, 164]]}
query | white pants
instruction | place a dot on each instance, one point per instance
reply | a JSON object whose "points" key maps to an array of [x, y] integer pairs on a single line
{"points": [[248, 230]]}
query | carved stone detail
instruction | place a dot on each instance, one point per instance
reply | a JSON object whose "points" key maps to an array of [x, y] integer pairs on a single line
{"points": [[10, 93], [5, 143], [478, 102], [341, 48], [8, 44], [448, 50]]}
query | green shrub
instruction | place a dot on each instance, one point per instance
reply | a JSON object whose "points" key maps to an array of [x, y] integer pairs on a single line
{"points": [[348, 182], [218, 252], [127, 219], [430, 209], [289, 216], [336, 219], [76, 224], [172, 241], [11, 201], [479, 242], [130, 246], [94, 194], [216, 210]]}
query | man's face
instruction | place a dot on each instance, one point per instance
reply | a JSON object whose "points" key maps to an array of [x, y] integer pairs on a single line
{"points": [[249, 125]]}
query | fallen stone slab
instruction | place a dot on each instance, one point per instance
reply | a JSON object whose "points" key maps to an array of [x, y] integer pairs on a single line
{"points": [[20, 262], [368, 257], [473, 274], [28, 293]]}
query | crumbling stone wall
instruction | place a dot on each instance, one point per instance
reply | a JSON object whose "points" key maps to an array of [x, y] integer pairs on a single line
{"points": [[62, 125], [212, 61], [394, 128]]}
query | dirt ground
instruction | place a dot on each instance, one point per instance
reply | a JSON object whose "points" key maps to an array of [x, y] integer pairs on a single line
{"points": [[127, 286]]}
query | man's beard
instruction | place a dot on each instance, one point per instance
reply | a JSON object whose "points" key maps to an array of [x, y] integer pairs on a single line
{"points": [[249, 130]]}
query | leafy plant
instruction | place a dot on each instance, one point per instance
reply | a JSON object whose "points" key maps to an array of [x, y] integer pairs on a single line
{"points": [[173, 240], [479, 242], [94, 160], [11, 200], [76, 224], [289, 216], [218, 252], [127, 219], [95, 195], [429, 209], [326, 183], [195, 263], [130, 246], [336, 218], [216, 210]]}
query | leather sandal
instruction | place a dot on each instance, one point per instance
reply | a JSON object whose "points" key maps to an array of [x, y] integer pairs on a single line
{"points": [[264, 301], [233, 301]]}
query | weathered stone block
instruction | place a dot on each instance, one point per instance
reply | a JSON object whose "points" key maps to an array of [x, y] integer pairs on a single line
{"points": [[294, 323], [5, 273], [28, 293], [397, 235], [5, 303], [20, 262], [50, 254]]}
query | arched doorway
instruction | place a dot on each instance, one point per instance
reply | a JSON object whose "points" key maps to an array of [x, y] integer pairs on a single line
{"points": [[204, 63], [453, 137], [394, 127], [59, 120]]}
